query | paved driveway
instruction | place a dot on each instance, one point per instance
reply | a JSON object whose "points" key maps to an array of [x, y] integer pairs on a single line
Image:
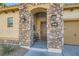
{"points": [[70, 50]]}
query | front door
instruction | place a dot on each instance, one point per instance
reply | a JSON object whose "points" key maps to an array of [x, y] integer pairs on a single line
{"points": [[43, 30]]}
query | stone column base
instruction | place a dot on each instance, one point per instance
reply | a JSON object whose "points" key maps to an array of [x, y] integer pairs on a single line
{"points": [[54, 50]]}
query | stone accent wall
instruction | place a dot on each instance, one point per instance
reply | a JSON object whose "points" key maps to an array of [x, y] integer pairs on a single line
{"points": [[54, 26], [25, 26], [55, 31]]}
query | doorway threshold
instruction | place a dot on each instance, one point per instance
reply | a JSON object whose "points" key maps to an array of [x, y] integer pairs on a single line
{"points": [[40, 44]]}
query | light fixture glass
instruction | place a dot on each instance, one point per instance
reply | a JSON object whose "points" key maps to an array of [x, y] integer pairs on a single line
{"points": [[54, 23]]}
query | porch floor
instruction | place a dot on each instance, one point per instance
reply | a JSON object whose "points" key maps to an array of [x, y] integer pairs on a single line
{"points": [[40, 44], [39, 48]]}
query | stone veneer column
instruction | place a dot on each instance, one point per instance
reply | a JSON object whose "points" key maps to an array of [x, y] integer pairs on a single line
{"points": [[25, 26], [55, 34]]}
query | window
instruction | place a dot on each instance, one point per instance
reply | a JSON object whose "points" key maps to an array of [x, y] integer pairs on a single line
{"points": [[10, 21]]}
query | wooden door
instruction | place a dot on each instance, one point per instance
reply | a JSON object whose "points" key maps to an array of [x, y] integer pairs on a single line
{"points": [[43, 31]]}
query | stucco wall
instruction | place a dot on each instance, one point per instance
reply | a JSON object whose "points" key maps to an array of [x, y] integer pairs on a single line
{"points": [[71, 15], [9, 32], [34, 9]]}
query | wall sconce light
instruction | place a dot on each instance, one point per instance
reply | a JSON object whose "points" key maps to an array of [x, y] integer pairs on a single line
{"points": [[53, 21], [54, 24]]}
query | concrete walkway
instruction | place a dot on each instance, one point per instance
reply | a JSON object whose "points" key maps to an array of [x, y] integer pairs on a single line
{"points": [[39, 52], [40, 49]]}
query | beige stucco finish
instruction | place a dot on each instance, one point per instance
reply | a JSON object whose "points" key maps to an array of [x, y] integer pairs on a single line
{"points": [[9, 32], [37, 8], [71, 14]]}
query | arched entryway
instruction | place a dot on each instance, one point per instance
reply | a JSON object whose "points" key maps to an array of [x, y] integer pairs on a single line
{"points": [[54, 26], [40, 27]]}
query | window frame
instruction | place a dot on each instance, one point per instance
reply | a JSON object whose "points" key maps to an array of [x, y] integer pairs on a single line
{"points": [[9, 21]]}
